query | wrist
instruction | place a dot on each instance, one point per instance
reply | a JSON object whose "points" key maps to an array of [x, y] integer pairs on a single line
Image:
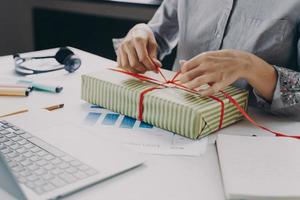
{"points": [[255, 70], [260, 73], [263, 78]]}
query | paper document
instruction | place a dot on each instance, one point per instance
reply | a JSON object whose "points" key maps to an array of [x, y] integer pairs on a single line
{"points": [[134, 134], [259, 168]]}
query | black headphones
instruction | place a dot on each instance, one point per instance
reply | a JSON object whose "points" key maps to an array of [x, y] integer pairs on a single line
{"points": [[64, 56]]}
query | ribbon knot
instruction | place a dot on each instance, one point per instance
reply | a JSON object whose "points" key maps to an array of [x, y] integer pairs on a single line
{"points": [[169, 82]]}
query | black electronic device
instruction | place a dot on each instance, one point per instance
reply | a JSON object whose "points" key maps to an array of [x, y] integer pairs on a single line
{"points": [[64, 56]]}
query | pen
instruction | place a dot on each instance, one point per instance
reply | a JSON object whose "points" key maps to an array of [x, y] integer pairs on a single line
{"points": [[43, 87], [55, 107], [14, 91], [15, 86]]}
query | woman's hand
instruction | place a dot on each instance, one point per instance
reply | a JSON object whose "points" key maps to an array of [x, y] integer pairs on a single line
{"points": [[138, 52], [222, 68]]}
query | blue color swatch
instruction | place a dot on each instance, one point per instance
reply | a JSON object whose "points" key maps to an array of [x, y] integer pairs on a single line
{"points": [[127, 122], [110, 119], [96, 106], [92, 117], [145, 125]]}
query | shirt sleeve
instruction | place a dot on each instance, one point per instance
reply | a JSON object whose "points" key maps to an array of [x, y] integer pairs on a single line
{"points": [[286, 97], [164, 25]]}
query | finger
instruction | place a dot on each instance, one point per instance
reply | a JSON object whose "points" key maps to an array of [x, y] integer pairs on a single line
{"points": [[141, 49], [191, 64], [157, 64], [129, 69], [152, 48], [118, 58], [201, 80], [213, 89], [134, 71], [125, 62], [133, 59], [181, 62], [192, 74], [205, 57], [123, 57]]}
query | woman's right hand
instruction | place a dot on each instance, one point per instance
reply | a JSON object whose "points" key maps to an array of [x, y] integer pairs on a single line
{"points": [[138, 51]]}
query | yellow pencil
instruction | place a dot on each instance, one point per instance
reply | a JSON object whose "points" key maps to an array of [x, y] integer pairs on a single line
{"points": [[14, 91]]}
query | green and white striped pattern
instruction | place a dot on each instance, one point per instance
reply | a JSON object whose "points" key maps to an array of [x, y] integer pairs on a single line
{"points": [[172, 109]]}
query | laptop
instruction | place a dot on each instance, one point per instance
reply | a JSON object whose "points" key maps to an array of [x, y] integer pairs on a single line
{"points": [[56, 161]]}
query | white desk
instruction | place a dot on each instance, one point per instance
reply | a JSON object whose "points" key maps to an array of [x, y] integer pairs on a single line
{"points": [[162, 177]]}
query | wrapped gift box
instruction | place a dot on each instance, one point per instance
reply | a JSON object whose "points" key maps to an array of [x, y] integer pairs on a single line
{"points": [[168, 107]]}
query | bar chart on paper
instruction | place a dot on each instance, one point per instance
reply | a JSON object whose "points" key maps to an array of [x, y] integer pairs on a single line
{"points": [[135, 134], [108, 118]]}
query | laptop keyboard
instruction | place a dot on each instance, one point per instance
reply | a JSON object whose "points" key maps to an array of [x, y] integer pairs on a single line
{"points": [[37, 164]]}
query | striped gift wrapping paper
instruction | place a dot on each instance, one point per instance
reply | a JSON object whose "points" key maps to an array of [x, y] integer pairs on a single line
{"points": [[169, 108]]}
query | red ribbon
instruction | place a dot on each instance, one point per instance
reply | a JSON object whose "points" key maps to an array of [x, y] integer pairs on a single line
{"points": [[251, 120], [180, 86]]}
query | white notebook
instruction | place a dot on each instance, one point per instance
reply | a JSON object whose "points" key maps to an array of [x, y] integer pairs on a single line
{"points": [[259, 167]]}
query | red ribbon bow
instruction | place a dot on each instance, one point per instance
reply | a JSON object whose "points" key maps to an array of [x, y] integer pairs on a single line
{"points": [[173, 81]]}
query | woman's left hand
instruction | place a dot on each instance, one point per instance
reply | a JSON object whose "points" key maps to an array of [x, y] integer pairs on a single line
{"points": [[222, 68]]}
